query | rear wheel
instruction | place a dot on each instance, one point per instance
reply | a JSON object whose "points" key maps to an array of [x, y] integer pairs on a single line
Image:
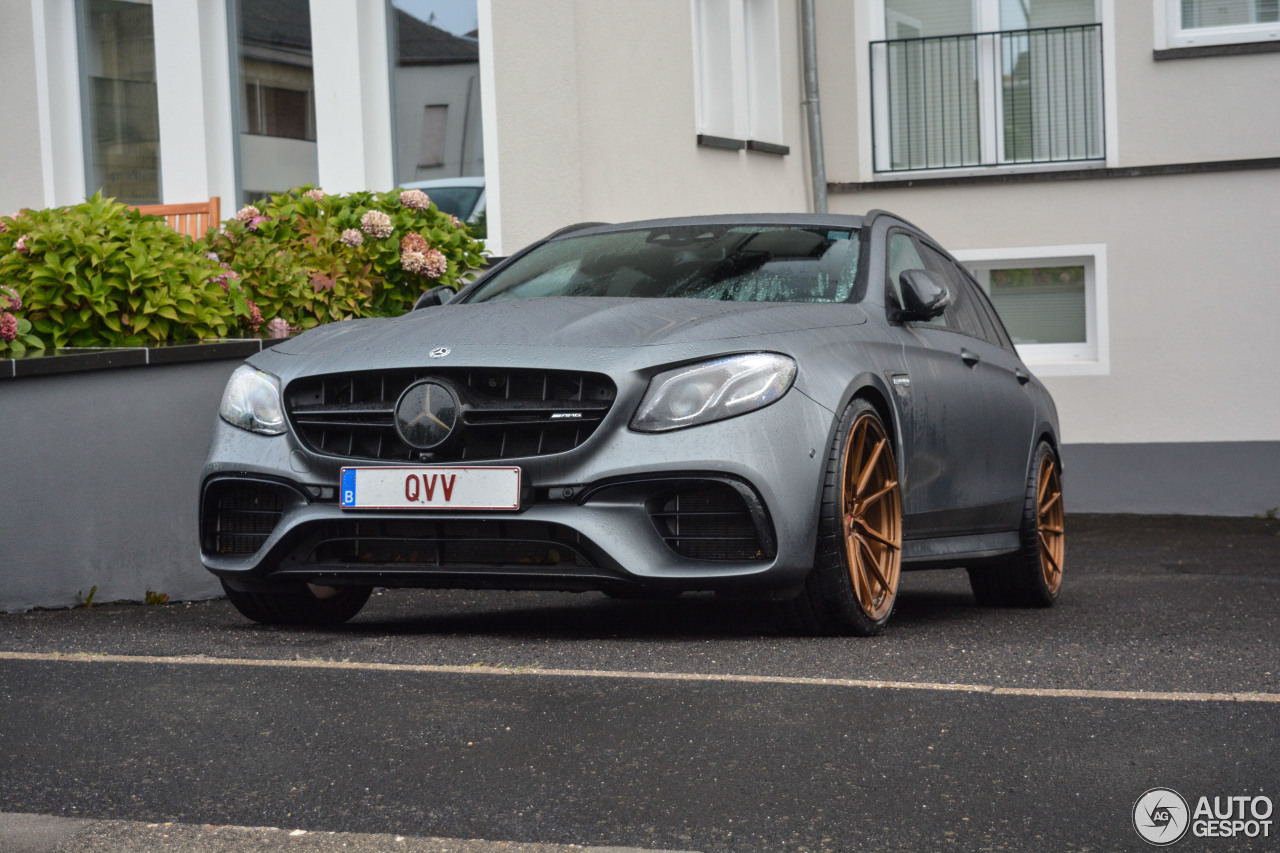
{"points": [[1033, 576], [854, 583], [300, 603]]}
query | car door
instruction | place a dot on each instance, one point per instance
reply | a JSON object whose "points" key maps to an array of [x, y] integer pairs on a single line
{"points": [[971, 417]]}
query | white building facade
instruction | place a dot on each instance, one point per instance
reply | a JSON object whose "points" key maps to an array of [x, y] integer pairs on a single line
{"points": [[179, 100], [1110, 170]]}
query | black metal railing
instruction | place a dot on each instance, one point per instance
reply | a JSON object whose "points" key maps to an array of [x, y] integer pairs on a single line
{"points": [[988, 99]]}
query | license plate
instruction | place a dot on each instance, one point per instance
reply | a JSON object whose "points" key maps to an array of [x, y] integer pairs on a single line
{"points": [[430, 488]]}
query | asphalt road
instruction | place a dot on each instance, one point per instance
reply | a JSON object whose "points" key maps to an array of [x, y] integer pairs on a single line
{"points": [[516, 720]]}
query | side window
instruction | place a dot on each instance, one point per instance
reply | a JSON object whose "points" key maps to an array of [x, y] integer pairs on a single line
{"points": [[903, 256], [998, 334]]}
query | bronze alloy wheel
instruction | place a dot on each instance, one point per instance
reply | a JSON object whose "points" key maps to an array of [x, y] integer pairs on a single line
{"points": [[1050, 523], [871, 510]]}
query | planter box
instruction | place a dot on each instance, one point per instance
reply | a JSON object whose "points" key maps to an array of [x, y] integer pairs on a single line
{"points": [[101, 454]]}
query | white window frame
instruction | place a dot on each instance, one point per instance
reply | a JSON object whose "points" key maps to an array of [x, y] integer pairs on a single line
{"points": [[737, 64], [1170, 34], [870, 27], [1093, 355]]}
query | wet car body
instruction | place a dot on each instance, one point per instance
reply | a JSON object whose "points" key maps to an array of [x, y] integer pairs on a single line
{"points": [[731, 505]]}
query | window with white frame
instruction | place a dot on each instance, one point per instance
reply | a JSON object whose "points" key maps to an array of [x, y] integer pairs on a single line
{"points": [[1052, 301], [738, 89], [1199, 23], [969, 83]]}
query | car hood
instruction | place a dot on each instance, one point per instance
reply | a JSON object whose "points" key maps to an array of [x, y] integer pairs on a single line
{"points": [[587, 322]]}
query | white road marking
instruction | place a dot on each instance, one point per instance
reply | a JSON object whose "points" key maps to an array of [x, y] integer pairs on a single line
{"points": [[429, 669]]}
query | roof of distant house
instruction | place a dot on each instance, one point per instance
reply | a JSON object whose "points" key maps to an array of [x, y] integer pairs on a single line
{"points": [[422, 44], [285, 25]]}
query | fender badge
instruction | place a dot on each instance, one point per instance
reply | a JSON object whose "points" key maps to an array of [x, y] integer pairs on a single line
{"points": [[440, 352]]}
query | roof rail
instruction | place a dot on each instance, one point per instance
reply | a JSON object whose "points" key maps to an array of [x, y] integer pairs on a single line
{"points": [[569, 229], [873, 215]]}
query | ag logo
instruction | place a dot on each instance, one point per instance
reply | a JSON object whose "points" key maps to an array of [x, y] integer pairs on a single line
{"points": [[1161, 816]]}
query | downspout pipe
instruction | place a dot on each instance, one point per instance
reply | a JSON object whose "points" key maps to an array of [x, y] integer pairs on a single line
{"points": [[813, 107]]}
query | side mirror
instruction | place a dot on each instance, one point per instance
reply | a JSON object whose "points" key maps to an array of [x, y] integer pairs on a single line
{"points": [[924, 295], [433, 297]]}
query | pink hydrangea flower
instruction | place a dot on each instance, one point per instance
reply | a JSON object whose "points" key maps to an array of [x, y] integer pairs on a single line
{"points": [[213, 256], [455, 221], [414, 254], [8, 327], [436, 264], [376, 224], [10, 295], [254, 222], [255, 317], [3, 226], [316, 194], [21, 246], [415, 200], [279, 328], [352, 237], [414, 243], [415, 262], [247, 213]]}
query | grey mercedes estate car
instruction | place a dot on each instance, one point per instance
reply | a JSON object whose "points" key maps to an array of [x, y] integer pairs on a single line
{"points": [[787, 407]]}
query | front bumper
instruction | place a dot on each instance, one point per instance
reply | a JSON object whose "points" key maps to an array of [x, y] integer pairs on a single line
{"points": [[731, 505]]}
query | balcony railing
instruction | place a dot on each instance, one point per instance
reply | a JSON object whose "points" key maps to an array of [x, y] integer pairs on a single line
{"points": [[988, 99]]}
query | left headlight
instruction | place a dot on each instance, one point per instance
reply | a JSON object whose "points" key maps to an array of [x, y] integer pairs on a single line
{"points": [[713, 390], [252, 402]]}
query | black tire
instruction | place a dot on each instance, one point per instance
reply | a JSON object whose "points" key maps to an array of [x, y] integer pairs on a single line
{"points": [[853, 586], [1033, 576], [300, 603]]}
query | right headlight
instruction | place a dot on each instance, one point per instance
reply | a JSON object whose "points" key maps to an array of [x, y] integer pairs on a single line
{"points": [[252, 402], [713, 390]]}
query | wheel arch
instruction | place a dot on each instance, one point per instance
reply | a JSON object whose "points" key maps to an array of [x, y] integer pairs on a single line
{"points": [[874, 389]]}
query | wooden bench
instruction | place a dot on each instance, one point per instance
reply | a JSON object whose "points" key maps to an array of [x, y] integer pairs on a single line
{"points": [[190, 219]]}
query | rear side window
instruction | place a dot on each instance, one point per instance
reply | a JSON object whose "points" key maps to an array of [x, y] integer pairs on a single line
{"points": [[963, 315]]}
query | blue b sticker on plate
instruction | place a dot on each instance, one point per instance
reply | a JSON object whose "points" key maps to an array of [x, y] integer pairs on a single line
{"points": [[348, 496]]}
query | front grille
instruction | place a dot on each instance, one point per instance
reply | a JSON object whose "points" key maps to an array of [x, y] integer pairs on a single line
{"points": [[425, 543], [240, 516], [504, 414], [710, 522]]}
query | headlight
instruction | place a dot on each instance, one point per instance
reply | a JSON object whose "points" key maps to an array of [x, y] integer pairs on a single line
{"points": [[252, 402], [713, 390]]}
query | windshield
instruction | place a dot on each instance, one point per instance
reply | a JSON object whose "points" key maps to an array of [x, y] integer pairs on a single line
{"points": [[456, 201], [738, 263]]}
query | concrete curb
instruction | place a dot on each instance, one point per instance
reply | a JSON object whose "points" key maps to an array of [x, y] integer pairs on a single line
{"points": [[31, 833]]}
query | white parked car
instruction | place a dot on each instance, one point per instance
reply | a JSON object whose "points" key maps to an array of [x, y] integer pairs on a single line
{"points": [[461, 197]]}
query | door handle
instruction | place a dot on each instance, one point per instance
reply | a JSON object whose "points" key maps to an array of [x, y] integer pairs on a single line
{"points": [[969, 358]]}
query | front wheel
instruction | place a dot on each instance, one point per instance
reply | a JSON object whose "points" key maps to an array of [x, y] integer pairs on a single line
{"points": [[300, 603], [1033, 576], [854, 583]]}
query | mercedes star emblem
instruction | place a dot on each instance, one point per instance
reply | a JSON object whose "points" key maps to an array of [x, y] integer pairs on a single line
{"points": [[426, 415]]}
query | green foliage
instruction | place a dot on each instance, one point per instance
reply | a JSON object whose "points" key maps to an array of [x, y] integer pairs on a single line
{"points": [[294, 264], [100, 273], [156, 598], [87, 600]]}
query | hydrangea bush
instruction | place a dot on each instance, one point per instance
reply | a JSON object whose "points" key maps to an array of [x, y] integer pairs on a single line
{"points": [[101, 274], [306, 258]]}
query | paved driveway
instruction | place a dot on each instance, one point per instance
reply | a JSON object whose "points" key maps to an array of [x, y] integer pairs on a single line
{"points": [[694, 725]]}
